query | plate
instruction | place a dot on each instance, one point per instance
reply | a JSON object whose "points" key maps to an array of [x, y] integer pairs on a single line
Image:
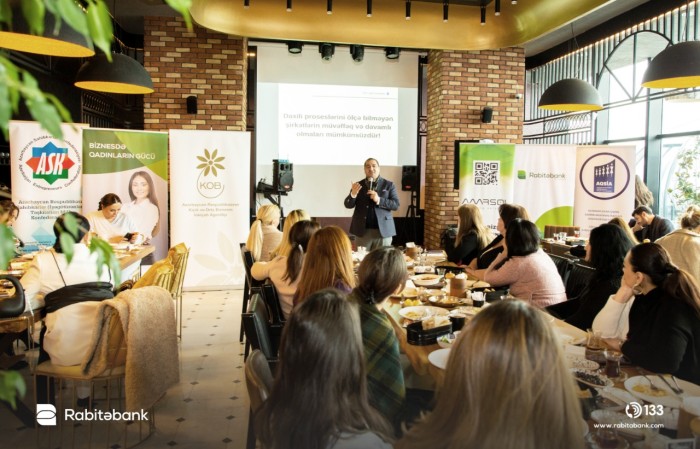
{"points": [[591, 378], [424, 280], [469, 311], [438, 358], [415, 313], [573, 361], [570, 336], [444, 301], [639, 387], [447, 340], [408, 292], [613, 398]]}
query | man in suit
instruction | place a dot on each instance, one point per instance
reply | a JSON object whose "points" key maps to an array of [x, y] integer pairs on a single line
{"points": [[649, 226], [373, 199]]}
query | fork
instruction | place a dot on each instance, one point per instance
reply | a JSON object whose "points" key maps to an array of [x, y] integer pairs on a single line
{"points": [[651, 384], [674, 389], [678, 389]]}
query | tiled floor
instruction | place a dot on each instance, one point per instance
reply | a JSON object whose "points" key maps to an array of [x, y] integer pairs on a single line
{"points": [[209, 407]]}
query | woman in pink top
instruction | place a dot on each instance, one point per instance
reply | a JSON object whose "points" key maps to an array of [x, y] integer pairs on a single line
{"points": [[530, 273]]}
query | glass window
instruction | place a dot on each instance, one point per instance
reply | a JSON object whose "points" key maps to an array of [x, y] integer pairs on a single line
{"points": [[681, 112], [627, 121], [680, 176]]}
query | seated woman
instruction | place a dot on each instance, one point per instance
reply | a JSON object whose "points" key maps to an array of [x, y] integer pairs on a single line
{"points": [[110, 223], [605, 251], [381, 274], [290, 220], [328, 263], [506, 214], [264, 236], [506, 360], [683, 245], [529, 271], [9, 212], [319, 398], [472, 235], [619, 221], [654, 318], [284, 271]]}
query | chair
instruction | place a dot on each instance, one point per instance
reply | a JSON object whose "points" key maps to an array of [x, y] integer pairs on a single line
{"points": [[178, 255], [269, 294], [258, 379], [579, 278], [259, 331], [161, 273], [564, 266], [550, 230], [250, 283]]}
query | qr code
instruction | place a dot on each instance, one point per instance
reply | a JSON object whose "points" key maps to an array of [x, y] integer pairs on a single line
{"points": [[486, 173]]}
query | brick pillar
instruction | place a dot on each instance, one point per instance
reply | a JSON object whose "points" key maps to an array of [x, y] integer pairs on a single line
{"points": [[209, 65], [460, 84]]}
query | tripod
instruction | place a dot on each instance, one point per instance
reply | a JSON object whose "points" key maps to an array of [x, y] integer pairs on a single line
{"points": [[411, 213]]}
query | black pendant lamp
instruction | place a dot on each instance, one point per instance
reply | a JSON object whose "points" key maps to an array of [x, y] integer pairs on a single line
{"points": [[66, 42], [571, 95], [677, 67], [124, 75]]}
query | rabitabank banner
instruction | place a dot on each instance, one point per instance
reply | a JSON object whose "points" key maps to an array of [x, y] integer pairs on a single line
{"points": [[209, 204], [133, 165], [46, 178]]}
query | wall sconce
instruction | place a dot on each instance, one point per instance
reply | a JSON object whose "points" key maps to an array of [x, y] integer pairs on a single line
{"points": [[192, 104], [392, 52], [486, 114], [294, 47], [357, 52], [326, 51]]}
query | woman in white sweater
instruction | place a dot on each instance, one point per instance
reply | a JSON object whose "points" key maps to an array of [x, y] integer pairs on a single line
{"points": [[683, 245]]}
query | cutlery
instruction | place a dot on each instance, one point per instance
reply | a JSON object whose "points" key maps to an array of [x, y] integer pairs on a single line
{"points": [[679, 390], [651, 384], [668, 384]]}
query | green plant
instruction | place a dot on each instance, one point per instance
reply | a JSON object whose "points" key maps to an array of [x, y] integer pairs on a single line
{"points": [[687, 189]]}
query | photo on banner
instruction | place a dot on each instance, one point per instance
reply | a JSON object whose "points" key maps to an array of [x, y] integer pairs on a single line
{"points": [[46, 179], [486, 177], [210, 204], [134, 166]]}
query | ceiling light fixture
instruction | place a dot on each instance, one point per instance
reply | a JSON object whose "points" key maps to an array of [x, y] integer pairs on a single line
{"points": [[289, 5], [497, 8], [445, 10], [357, 52], [676, 67], [571, 94], [483, 15], [392, 52], [329, 7], [294, 47], [246, 4], [513, 2], [408, 9], [327, 50], [124, 75], [369, 8]]}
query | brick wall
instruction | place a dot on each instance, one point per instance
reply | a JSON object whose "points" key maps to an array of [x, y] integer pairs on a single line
{"points": [[210, 65], [460, 84]]}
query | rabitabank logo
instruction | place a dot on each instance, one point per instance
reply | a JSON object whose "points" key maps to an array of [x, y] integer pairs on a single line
{"points": [[604, 176], [47, 166]]}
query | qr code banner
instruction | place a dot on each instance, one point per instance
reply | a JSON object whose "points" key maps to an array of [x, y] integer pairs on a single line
{"points": [[487, 173]]}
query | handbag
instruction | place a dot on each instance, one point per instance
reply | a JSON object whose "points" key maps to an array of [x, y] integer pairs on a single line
{"points": [[75, 293], [14, 305]]}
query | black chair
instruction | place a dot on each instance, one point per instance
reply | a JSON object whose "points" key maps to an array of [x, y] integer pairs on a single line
{"points": [[269, 294], [564, 266], [258, 330], [580, 276], [250, 283], [258, 379]]}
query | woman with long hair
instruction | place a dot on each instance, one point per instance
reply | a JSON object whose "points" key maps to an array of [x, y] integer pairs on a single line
{"points": [[472, 235], [328, 263], [619, 221], [683, 245], [505, 361], [284, 271], [143, 208], [110, 223], [292, 218], [525, 268], [654, 318], [319, 398], [605, 251], [381, 273], [264, 236], [506, 214]]}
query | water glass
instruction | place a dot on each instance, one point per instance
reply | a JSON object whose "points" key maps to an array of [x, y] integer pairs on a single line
{"points": [[577, 233], [612, 363]]}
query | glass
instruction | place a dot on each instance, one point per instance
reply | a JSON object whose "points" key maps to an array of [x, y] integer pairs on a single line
{"points": [[440, 272], [478, 299], [577, 233], [612, 363], [594, 346]]}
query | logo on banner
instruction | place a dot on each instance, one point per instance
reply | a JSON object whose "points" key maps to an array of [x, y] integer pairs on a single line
{"points": [[208, 183], [604, 176], [42, 163]]}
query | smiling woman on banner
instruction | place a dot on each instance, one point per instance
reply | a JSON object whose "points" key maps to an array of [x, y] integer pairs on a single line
{"points": [[143, 208]]}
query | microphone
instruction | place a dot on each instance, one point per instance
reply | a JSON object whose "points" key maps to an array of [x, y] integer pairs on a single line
{"points": [[371, 180]]}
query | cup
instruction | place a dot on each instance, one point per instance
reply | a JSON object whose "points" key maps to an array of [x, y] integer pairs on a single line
{"points": [[577, 233], [458, 321], [412, 252], [594, 346], [612, 363], [458, 287], [478, 299], [440, 272]]}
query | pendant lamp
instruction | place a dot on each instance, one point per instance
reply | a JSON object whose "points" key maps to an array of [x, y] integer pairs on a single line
{"points": [[67, 42], [571, 95], [676, 67], [124, 75]]}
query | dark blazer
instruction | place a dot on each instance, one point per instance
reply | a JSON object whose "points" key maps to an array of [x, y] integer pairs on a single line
{"points": [[389, 201], [658, 228]]}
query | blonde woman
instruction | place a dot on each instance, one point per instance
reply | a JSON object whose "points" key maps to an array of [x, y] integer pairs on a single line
{"points": [[619, 221], [683, 245], [328, 263], [293, 217], [506, 387], [472, 235], [264, 235]]}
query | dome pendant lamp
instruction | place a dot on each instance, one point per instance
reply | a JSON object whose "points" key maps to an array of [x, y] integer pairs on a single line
{"points": [[66, 42], [124, 75], [676, 67], [571, 95]]}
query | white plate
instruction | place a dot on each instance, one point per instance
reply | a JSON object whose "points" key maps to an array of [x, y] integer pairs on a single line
{"points": [[446, 341], [408, 292], [425, 280], [583, 363], [570, 336], [443, 300], [606, 381], [668, 399], [469, 311], [416, 313], [439, 357]]}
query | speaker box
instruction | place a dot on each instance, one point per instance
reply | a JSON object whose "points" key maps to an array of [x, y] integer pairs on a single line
{"points": [[282, 175], [409, 178], [486, 115], [191, 104]]}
